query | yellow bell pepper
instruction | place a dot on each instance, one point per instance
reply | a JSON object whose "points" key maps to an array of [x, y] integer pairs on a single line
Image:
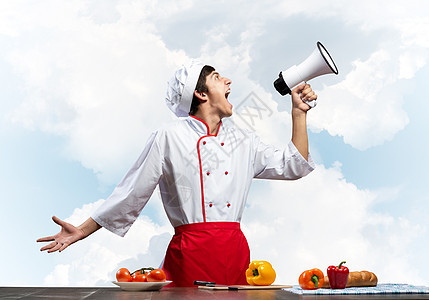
{"points": [[260, 273]]}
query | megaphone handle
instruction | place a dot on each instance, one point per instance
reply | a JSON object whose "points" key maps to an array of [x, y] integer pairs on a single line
{"points": [[311, 103]]}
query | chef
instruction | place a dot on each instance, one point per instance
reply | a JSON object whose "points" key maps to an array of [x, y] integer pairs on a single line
{"points": [[204, 170]]}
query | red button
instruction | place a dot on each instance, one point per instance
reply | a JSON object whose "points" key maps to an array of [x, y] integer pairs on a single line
{"points": [[210, 205], [222, 144], [208, 173], [204, 142], [228, 205], [226, 172]]}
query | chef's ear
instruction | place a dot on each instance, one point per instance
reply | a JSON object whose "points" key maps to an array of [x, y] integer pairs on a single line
{"points": [[202, 96]]}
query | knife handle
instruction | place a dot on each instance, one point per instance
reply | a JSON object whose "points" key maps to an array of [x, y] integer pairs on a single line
{"points": [[199, 282]]}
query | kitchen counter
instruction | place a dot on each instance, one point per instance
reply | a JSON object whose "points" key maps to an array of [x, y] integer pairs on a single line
{"points": [[107, 293]]}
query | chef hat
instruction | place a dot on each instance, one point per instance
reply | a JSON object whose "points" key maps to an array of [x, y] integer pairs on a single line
{"points": [[181, 87]]}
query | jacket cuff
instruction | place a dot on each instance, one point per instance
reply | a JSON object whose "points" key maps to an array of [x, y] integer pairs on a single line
{"points": [[118, 231]]}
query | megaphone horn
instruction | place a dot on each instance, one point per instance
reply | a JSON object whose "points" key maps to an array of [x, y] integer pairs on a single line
{"points": [[318, 63]]}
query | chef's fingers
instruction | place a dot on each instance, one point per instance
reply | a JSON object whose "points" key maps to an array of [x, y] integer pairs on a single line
{"points": [[57, 247], [313, 97], [58, 221], [46, 239], [309, 96], [49, 246], [306, 89], [64, 245], [299, 88]]}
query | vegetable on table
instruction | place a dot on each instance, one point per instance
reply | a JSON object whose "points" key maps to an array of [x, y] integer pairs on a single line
{"points": [[123, 275], [311, 279], [141, 275], [156, 275], [260, 273], [338, 276]]}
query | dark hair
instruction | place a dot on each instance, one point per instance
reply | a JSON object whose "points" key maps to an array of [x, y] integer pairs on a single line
{"points": [[201, 87]]}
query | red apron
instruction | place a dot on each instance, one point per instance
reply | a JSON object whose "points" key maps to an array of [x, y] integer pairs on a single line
{"points": [[209, 251]]}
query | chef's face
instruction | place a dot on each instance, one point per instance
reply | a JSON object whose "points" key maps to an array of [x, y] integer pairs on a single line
{"points": [[218, 92]]}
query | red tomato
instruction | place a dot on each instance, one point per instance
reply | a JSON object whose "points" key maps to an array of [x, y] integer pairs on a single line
{"points": [[123, 275], [138, 277], [156, 275]]}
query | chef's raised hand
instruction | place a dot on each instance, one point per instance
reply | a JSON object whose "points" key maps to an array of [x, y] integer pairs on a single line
{"points": [[68, 235], [301, 93]]}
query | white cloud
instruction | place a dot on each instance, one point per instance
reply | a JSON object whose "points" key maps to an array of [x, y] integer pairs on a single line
{"points": [[96, 85], [96, 79], [321, 220], [365, 108], [59, 276]]}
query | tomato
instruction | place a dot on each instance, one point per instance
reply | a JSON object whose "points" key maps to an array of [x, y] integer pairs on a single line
{"points": [[156, 275], [123, 275], [139, 277]]}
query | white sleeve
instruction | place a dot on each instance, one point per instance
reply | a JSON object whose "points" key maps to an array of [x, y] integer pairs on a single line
{"points": [[127, 200], [287, 164]]}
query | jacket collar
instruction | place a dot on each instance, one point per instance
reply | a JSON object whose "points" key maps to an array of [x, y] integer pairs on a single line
{"points": [[201, 126]]}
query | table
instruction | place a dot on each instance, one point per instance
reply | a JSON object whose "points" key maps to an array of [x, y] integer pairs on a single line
{"points": [[106, 293]]}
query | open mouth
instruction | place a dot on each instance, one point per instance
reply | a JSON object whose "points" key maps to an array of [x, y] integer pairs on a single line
{"points": [[226, 96]]}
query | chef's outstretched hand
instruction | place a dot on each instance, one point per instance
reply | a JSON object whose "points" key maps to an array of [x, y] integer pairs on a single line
{"points": [[68, 235], [301, 93]]}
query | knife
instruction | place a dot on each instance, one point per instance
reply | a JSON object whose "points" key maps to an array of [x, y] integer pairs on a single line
{"points": [[200, 282], [213, 284]]}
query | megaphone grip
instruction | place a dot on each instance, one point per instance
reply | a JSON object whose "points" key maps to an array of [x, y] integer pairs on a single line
{"points": [[311, 103], [281, 85]]}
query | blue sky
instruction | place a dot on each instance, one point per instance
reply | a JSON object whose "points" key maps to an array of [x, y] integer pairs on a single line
{"points": [[83, 86]]}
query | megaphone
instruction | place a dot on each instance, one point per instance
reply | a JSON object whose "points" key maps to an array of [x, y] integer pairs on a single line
{"points": [[318, 63]]}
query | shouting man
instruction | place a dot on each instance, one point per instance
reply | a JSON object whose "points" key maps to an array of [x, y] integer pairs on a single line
{"points": [[204, 170]]}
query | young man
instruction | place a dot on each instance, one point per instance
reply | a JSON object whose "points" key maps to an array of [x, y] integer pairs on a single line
{"points": [[204, 170]]}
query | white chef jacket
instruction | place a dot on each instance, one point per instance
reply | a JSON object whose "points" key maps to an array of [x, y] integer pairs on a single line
{"points": [[201, 177]]}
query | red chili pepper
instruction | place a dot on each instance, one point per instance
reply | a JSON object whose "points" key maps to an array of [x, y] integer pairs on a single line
{"points": [[338, 276]]}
